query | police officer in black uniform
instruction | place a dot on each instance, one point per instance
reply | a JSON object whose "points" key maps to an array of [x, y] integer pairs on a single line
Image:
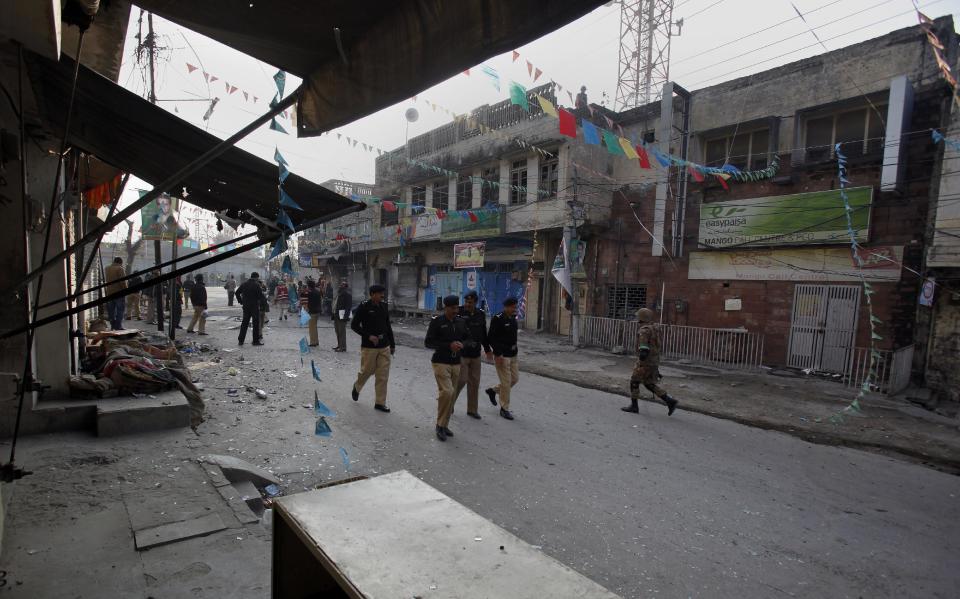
{"points": [[447, 336], [372, 322]]}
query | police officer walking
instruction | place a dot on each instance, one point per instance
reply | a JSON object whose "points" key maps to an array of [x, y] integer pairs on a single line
{"points": [[341, 315], [647, 370], [372, 322], [447, 336], [476, 321], [502, 338], [251, 297]]}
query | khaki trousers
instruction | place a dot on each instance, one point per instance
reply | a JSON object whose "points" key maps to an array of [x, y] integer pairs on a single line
{"points": [[151, 309], [374, 362], [133, 306], [469, 378], [312, 327], [198, 317], [447, 376], [508, 371], [340, 326]]}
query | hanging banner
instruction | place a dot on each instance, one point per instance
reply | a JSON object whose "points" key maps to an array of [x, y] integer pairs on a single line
{"points": [[469, 255], [459, 225], [471, 280], [799, 219], [927, 292], [880, 263], [158, 220], [561, 268]]}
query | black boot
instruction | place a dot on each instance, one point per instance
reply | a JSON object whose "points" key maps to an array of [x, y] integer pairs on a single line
{"points": [[633, 407], [671, 404]]}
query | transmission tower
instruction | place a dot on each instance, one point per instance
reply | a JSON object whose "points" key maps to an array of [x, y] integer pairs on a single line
{"points": [[646, 27]]}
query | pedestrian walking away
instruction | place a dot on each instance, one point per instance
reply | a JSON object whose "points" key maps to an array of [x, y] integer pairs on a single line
{"points": [[647, 370], [372, 322], [476, 322], [328, 297], [133, 300], [502, 338], [251, 297], [187, 291], [281, 298], [341, 316], [231, 287], [314, 309], [115, 307], [447, 336], [198, 297]]}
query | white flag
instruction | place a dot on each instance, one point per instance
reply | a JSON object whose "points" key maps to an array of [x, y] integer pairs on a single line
{"points": [[561, 268]]}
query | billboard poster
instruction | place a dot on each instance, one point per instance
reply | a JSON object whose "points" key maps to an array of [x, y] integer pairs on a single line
{"points": [[158, 219], [578, 252], [880, 263], [817, 217], [466, 224], [469, 255]]}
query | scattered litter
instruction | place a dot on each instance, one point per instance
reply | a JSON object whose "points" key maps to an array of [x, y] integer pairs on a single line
{"points": [[477, 539], [304, 317], [322, 429], [233, 392], [272, 490], [139, 395], [232, 371], [316, 371], [261, 393], [304, 346], [346, 459], [290, 374], [229, 350]]}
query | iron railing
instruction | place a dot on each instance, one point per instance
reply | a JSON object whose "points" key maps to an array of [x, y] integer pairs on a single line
{"points": [[893, 369]]}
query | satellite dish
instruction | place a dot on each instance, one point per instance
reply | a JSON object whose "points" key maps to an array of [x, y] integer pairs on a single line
{"points": [[412, 115]]}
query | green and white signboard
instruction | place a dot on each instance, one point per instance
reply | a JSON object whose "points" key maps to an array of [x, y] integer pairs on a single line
{"points": [[800, 219]]}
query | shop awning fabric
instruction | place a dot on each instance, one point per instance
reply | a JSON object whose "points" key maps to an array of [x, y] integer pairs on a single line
{"points": [[130, 133], [388, 50]]}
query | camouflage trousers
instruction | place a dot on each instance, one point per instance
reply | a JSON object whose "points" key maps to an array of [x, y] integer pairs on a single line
{"points": [[648, 375]]}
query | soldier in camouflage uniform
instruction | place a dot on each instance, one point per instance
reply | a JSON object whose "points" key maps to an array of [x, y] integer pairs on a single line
{"points": [[647, 372]]}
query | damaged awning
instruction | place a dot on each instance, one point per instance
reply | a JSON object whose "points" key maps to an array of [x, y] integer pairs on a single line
{"points": [[128, 132], [358, 56]]}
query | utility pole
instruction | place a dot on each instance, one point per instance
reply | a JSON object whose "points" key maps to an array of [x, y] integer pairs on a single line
{"points": [[569, 234]]}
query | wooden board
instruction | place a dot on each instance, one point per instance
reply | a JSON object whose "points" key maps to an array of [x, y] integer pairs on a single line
{"points": [[396, 536]]}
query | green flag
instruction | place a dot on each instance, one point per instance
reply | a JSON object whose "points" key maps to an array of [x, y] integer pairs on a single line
{"points": [[518, 95]]}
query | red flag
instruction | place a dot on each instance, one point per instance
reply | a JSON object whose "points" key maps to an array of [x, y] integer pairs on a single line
{"points": [[516, 55], [466, 72], [536, 74], [191, 68], [568, 124], [644, 159], [723, 182], [695, 173], [529, 68], [441, 214], [389, 206], [473, 217]]}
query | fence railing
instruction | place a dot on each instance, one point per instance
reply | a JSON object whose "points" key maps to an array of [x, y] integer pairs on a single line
{"points": [[892, 366], [722, 348]]}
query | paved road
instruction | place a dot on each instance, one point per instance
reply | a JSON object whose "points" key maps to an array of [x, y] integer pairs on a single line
{"points": [[685, 506]]}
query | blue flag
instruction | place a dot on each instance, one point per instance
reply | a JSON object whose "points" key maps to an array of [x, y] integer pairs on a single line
{"points": [[304, 317], [304, 346], [346, 460], [278, 248], [284, 173], [590, 134], [287, 267], [275, 126], [280, 79], [278, 157], [320, 408], [493, 75], [286, 200], [284, 219], [316, 371], [322, 429]]}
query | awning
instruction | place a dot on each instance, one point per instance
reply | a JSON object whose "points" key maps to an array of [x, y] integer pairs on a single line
{"points": [[358, 56], [130, 133]]}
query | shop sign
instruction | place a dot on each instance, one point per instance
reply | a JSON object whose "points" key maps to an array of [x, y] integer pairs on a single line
{"points": [[469, 255]]}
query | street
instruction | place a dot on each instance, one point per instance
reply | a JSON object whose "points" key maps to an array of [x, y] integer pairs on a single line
{"points": [[646, 505]]}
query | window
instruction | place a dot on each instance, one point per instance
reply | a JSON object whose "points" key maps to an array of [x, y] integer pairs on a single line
{"points": [[518, 182], [441, 195], [623, 301], [860, 131], [464, 192], [388, 218], [418, 198], [549, 177], [490, 193], [747, 150]]}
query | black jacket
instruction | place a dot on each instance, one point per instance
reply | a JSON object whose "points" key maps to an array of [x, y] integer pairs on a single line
{"points": [[373, 319], [477, 327], [198, 295], [344, 302], [314, 301], [250, 295], [503, 335], [442, 333]]}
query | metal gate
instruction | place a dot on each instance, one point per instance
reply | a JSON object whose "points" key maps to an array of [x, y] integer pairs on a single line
{"points": [[823, 327], [447, 283]]}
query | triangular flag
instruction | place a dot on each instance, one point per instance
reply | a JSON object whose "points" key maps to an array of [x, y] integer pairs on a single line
{"points": [[569, 93], [304, 346], [590, 134], [278, 157], [529, 69], [627, 148], [466, 72], [280, 78], [233, 89], [255, 99], [568, 124], [214, 78], [516, 55], [284, 219], [320, 408], [286, 266], [321, 428], [644, 159], [246, 97], [547, 106], [191, 68], [274, 101], [226, 87], [492, 74], [278, 248], [286, 200], [206, 76], [612, 142], [389, 206], [536, 74], [518, 96], [695, 173], [473, 217], [275, 126]]}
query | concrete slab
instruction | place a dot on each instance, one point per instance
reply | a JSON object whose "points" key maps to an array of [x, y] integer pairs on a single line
{"points": [[178, 531], [237, 470], [250, 495], [240, 508], [127, 415], [215, 474]]}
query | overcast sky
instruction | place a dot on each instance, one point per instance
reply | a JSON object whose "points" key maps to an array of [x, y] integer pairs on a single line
{"points": [[720, 40]]}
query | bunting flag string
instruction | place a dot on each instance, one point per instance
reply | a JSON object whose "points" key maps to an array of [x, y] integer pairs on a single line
{"points": [[950, 143], [230, 89], [926, 23], [283, 219], [286, 200]]}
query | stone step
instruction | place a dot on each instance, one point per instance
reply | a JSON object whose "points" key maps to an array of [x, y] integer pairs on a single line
{"points": [[128, 415]]}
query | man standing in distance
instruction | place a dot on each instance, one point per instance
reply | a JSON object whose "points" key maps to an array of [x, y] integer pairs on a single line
{"points": [[251, 297], [476, 322], [198, 296], [231, 287], [647, 370], [372, 322], [341, 315], [115, 307], [314, 309], [447, 336], [503, 340]]}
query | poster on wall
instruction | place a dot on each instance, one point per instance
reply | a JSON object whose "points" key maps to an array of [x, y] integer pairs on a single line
{"points": [[927, 292], [158, 220], [578, 251], [798, 219], [880, 263], [469, 255], [471, 280]]}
